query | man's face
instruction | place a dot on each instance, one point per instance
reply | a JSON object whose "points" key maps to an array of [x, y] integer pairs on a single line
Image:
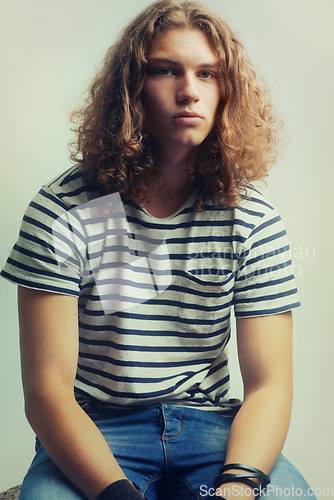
{"points": [[181, 90]]}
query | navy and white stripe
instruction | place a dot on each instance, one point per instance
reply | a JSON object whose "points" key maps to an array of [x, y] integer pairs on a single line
{"points": [[155, 323]]}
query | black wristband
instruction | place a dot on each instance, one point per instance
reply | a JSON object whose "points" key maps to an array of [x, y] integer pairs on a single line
{"points": [[120, 490], [264, 478], [234, 478], [245, 477]]}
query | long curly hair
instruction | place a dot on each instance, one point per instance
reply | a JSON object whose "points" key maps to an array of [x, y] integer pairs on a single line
{"points": [[115, 151]]}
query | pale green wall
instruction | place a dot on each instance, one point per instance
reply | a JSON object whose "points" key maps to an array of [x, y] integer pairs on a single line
{"points": [[49, 53]]}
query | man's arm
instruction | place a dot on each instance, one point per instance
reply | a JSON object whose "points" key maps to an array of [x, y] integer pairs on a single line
{"points": [[49, 355], [259, 429]]}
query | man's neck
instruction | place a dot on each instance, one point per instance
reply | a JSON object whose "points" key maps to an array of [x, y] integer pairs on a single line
{"points": [[173, 187], [173, 165]]}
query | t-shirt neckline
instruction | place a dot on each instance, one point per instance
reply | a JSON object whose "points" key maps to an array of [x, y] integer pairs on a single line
{"points": [[189, 202]]}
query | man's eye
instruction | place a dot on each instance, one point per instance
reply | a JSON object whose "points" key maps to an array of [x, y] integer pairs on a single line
{"points": [[163, 71], [206, 74]]}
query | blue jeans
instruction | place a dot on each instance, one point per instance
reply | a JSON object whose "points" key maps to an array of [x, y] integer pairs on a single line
{"points": [[171, 452]]}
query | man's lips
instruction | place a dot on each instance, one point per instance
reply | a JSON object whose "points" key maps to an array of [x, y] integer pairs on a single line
{"points": [[187, 118], [187, 114]]}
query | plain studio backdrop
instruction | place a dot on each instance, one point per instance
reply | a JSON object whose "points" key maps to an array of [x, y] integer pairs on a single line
{"points": [[51, 50]]}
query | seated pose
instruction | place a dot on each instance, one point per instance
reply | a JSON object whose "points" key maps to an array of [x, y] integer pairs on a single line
{"points": [[129, 265]]}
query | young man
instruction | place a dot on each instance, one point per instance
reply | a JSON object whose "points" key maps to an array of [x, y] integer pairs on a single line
{"points": [[128, 265]]}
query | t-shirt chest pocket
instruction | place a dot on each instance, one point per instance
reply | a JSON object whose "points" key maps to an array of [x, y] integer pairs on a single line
{"points": [[204, 301]]}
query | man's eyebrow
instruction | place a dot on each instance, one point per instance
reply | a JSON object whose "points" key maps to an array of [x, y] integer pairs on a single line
{"points": [[208, 65], [167, 60]]}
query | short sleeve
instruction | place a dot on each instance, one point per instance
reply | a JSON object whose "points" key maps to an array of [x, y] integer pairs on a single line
{"points": [[34, 260], [265, 282]]}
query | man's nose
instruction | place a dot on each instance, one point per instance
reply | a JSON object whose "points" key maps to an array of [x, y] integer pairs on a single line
{"points": [[187, 89]]}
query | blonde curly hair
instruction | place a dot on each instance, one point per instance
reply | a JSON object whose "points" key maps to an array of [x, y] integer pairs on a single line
{"points": [[115, 151]]}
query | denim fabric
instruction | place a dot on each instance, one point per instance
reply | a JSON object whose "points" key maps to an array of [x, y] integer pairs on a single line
{"points": [[171, 452]]}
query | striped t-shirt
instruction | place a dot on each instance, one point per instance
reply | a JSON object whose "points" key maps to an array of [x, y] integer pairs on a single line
{"points": [[155, 295]]}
